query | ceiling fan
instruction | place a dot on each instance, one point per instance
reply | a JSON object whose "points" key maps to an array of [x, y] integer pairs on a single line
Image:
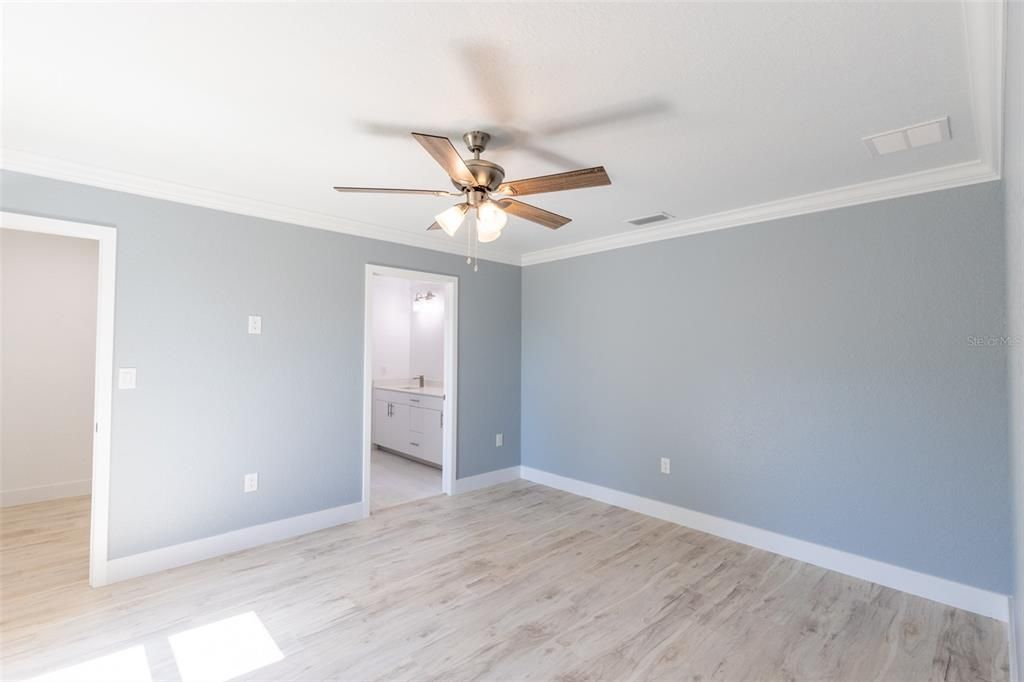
{"points": [[483, 188]]}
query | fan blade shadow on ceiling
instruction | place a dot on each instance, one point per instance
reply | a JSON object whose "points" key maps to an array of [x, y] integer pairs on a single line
{"points": [[623, 114], [489, 73]]}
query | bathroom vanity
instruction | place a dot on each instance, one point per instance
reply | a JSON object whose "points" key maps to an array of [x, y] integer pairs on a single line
{"points": [[409, 420]]}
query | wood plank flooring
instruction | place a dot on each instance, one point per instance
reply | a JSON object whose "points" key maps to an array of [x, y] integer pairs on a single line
{"points": [[396, 480], [517, 581]]}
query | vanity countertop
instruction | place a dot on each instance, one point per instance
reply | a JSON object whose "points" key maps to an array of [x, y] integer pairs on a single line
{"points": [[436, 391]]}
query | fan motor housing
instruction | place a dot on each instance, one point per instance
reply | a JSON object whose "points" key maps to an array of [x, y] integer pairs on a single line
{"points": [[488, 175]]}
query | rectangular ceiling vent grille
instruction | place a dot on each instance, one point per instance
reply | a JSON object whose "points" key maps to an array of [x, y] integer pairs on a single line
{"points": [[648, 219], [910, 137]]}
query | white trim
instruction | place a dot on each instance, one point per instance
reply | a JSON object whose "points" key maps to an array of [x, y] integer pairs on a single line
{"points": [[190, 552], [41, 493], [948, 177], [104, 386], [985, 34], [70, 171], [1011, 633], [486, 480], [973, 599], [449, 457], [921, 182]]}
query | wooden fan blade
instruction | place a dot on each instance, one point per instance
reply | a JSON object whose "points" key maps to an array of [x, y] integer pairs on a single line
{"points": [[392, 190], [434, 226], [534, 214], [577, 179], [444, 152]]}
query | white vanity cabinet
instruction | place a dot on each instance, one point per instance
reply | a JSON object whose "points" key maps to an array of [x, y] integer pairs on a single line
{"points": [[409, 423]]}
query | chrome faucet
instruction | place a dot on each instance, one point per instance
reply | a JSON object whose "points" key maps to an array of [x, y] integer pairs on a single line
{"points": [[420, 379]]}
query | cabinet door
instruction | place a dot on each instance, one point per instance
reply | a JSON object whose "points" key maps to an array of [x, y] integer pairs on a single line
{"points": [[425, 434], [397, 434], [380, 421]]}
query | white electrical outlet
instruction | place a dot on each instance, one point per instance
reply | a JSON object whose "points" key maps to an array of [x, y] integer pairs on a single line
{"points": [[252, 482], [126, 378], [666, 465], [255, 324], [499, 440]]}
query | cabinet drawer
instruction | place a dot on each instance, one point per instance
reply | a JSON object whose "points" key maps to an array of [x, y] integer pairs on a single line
{"points": [[429, 402]]}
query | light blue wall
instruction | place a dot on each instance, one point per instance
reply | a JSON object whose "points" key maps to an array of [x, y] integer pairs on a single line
{"points": [[812, 376], [1013, 177], [214, 403]]}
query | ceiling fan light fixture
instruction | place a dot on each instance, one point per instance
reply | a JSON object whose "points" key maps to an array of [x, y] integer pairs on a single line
{"points": [[490, 221], [451, 219]]}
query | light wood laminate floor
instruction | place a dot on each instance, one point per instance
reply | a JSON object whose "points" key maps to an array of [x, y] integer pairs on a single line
{"points": [[396, 480], [511, 582]]}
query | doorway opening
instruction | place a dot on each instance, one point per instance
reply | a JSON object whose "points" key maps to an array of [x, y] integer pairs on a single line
{"points": [[57, 347], [409, 386]]}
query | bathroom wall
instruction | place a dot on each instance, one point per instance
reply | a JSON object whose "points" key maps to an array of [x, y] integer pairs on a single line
{"points": [[391, 326], [426, 335], [408, 340]]}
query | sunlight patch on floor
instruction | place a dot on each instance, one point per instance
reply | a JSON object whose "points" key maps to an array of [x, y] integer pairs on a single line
{"points": [[224, 649], [127, 665]]}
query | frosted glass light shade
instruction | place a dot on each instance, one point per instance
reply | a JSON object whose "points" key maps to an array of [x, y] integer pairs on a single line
{"points": [[490, 220], [451, 219]]}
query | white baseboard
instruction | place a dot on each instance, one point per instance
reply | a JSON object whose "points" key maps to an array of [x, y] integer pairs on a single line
{"points": [[234, 541], [1011, 633], [973, 599], [464, 485], [41, 493]]}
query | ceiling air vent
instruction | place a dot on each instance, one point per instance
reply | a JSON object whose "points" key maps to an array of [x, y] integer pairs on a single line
{"points": [[902, 139], [648, 219]]}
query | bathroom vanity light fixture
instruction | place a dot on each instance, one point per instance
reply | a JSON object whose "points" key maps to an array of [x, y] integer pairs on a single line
{"points": [[423, 300]]}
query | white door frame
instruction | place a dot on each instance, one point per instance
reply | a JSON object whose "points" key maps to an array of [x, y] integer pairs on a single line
{"points": [[451, 373], [104, 385]]}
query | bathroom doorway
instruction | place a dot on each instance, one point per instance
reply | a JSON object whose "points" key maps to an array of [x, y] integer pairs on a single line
{"points": [[409, 386]]}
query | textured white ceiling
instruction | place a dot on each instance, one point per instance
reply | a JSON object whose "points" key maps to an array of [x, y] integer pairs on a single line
{"points": [[692, 108]]}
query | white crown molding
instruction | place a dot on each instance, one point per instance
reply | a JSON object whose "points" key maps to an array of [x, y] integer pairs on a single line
{"points": [[974, 599], [58, 169], [946, 177], [985, 36]]}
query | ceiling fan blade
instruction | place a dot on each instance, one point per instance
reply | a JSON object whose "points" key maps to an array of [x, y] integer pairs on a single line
{"points": [[434, 226], [444, 152], [534, 214], [577, 179], [392, 190]]}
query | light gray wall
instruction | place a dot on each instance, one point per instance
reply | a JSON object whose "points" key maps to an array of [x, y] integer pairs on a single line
{"points": [[812, 376], [48, 355], [213, 403], [1013, 177]]}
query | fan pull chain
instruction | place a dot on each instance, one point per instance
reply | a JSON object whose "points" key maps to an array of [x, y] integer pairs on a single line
{"points": [[476, 249], [469, 242]]}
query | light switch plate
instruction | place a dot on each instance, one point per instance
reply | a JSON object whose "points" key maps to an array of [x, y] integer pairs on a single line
{"points": [[666, 465], [255, 324], [499, 440], [126, 378], [252, 483]]}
